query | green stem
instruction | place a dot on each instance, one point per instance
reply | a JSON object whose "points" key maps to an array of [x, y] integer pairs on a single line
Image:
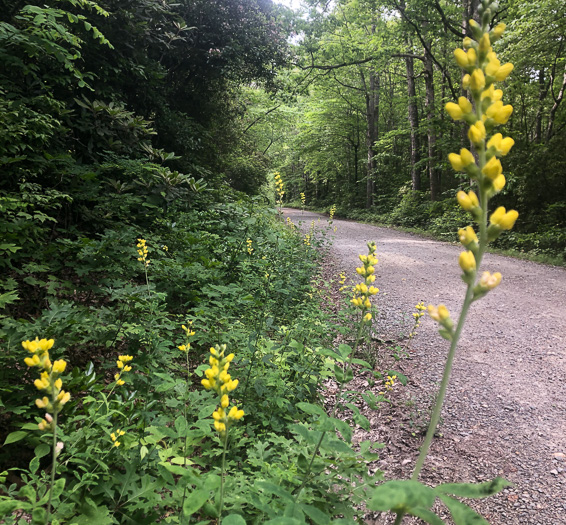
{"points": [[222, 478], [443, 385], [399, 518], [53, 466]]}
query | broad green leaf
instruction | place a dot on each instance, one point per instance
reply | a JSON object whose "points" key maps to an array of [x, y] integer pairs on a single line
{"points": [[195, 500], [345, 350], [13, 437], [318, 516], [401, 496], [42, 450], [309, 408], [473, 490], [343, 428], [461, 513], [8, 506], [284, 520]]}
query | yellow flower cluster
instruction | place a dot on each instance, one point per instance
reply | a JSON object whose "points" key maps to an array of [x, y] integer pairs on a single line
{"points": [[115, 436], [279, 187], [332, 211], [49, 380], [219, 380], [303, 198], [483, 113], [307, 239], [249, 246], [142, 252], [342, 281], [189, 332], [122, 367], [363, 291], [417, 316], [441, 315]]}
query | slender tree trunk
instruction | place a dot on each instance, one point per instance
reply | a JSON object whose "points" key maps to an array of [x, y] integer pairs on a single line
{"points": [[433, 172], [413, 123], [541, 96], [372, 116], [554, 108]]}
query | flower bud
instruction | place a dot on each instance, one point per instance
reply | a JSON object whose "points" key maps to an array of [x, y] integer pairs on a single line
{"points": [[466, 81], [461, 57], [467, 262], [493, 168], [504, 219], [499, 183], [465, 105], [477, 132], [467, 236], [489, 281], [497, 31], [477, 80], [484, 44]]}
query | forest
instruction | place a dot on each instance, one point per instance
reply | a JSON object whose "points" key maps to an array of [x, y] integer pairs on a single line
{"points": [[146, 147]]}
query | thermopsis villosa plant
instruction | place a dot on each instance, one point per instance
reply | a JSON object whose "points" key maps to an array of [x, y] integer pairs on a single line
{"points": [[483, 113]]}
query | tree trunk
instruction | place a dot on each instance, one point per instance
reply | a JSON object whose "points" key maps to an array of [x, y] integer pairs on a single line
{"points": [[541, 96], [433, 172], [414, 124], [372, 115], [554, 108]]}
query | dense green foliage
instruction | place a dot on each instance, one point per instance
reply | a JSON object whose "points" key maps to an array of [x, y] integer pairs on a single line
{"points": [[165, 121], [373, 134]]}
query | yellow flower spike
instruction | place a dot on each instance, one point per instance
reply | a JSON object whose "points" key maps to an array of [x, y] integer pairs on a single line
{"points": [[454, 110], [467, 262], [59, 366], [492, 168], [225, 401], [477, 80], [467, 236], [504, 71], [477, 132]]}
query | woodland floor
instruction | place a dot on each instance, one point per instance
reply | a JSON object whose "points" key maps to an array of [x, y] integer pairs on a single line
{"points": [[505, 410]]}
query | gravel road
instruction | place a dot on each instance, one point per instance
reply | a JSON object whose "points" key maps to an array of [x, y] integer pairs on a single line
{"points": [[505, 410]]}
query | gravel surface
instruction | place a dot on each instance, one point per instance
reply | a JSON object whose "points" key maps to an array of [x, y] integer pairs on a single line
{"points": [[505, 409]]}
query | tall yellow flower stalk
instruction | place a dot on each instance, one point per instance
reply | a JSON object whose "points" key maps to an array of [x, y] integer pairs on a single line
{"points": [[219, 380], [54, 399], [483, 111]]}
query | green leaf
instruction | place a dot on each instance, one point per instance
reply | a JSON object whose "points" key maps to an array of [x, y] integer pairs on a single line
{"points": [[58, 487], [426, 515], [8, 506], [309, 408], [39, 516], [271, 488], [343, 428], [42, 450], [316, 515], [234, 519], [473, 490], [461, 513], [13, 437], [401, 496], [345, 350], [195, 501]]}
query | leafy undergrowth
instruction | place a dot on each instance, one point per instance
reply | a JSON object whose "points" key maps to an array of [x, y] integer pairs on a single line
{"points": [[137, 445]]}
